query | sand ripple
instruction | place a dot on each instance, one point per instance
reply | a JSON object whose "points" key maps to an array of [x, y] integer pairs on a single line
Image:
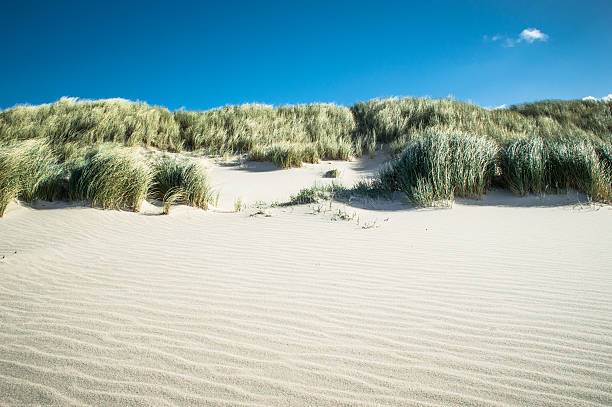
{"points": [[476, 306]]}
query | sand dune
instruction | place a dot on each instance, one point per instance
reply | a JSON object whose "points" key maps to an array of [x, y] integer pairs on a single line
{"points": [[499, 302]]}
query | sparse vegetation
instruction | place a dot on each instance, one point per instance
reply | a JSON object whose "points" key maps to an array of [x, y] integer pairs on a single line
{"points": [[318, 193], [238, 205], [333, 173]]}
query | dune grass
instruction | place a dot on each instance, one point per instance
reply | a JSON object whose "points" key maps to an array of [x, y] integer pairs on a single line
{"points": [[318, 193], [29, 171], [286, 135], [111, 177], [524, 166], [438, 166], [576, 165], [333, 173], [396, 120], [537, 166], [90, 122], [444, 148], [181, 179]]}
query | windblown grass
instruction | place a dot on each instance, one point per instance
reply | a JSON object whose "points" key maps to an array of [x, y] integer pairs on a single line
{"points": [[576, 165], [537, 166], [445, 148], [290, 135], [438, 166], [183, 180], [396, 121], [575, 117], [286, 135], [89, 122], [524, 166], [111, 177], [29, 171]]}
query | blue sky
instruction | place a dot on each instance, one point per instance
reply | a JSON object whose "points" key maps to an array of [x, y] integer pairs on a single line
{"points": [[198, 56]]}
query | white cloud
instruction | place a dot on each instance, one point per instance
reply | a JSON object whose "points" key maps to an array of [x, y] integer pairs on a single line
{"points": [[529, 35], [603, 99], [532, 34]]}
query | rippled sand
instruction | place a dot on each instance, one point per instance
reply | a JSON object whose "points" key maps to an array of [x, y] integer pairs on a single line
{"points": [[486, 304]]}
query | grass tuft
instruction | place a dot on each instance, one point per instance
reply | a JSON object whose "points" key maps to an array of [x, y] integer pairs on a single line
{"points": [[317, 193], [183, 180], [29, 171], [111, 177], [524, 164], [440, 165], [333, 173]]}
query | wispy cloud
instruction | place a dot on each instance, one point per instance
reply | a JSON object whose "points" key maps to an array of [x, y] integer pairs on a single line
{"points": [[528, 35]]}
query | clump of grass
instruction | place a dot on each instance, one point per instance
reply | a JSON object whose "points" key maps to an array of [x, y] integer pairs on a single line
{"points": [[317, 193], [524, 164], [333, 173], [537, 166], [171, 196], [29, 171], [604, 152], [576, 165], [111, 177], [238, 205], [285, 155], [183, 180], [441, 165]]}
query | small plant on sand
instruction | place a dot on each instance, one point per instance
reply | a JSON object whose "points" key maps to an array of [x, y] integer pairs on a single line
{"points": [[111, 177], [179, 179], [333, 173], [261, 208], [318, 193], [238, 205], [370, 225], [342, 214], [170, 197]]}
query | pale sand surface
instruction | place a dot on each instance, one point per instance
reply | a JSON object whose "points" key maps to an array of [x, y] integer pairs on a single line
{"points": [[499, 302]]}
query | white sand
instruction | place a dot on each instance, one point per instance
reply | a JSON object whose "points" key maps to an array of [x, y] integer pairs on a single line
{"points": [[499, 302]]}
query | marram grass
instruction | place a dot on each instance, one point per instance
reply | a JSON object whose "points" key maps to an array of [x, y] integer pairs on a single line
{"points": [[30, 171], [111, 177], [181, 180], [537, 166], [445, 148], [524, 166], [290, 135], [438, 166], [91, 122], [574, 164]]}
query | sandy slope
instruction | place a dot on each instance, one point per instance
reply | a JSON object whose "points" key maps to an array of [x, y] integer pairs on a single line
{"points": [[500, 302]]}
